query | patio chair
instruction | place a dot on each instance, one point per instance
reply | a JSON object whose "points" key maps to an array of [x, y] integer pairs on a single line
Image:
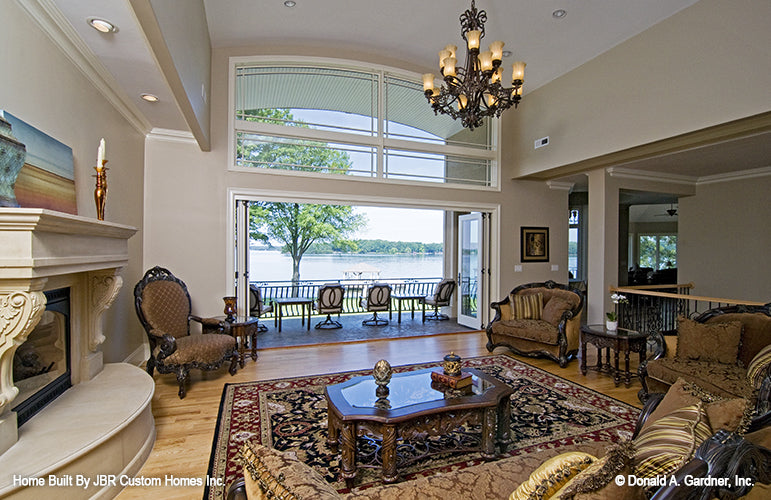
{"points": [[163, 306], [330, 301], [257, 307], [378, 299], [441, 297]]}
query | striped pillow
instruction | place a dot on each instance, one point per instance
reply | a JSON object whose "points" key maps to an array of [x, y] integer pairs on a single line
{"points": [[758, 368], [526, 306], [669, 442]]}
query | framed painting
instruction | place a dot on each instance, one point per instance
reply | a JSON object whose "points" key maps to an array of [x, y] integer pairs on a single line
{"points": [[45, 179], [535, 244]]}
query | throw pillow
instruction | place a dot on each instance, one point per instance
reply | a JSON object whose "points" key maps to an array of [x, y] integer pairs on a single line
{"points": [[269, 473], [664, 446], [554, 309], [758, 367], [730, 414], [597, 479], [526, 306], [547, 479], [708, 342]]}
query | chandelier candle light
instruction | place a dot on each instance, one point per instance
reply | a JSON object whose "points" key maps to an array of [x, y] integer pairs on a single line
{"points": [[474, 92], [100, 192]]}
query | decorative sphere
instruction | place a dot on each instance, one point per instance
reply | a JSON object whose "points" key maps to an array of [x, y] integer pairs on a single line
{"points": [[382, 372]]}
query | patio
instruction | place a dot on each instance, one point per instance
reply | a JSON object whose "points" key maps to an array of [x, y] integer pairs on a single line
{"points": [[294, 334]]}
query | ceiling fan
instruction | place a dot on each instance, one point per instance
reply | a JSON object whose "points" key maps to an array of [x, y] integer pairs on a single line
{"points": [[671, 211]]}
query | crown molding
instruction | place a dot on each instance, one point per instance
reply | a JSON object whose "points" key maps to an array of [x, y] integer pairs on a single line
{"points": [[50, 19], [167, 134], [734, 176], [643, 175]]}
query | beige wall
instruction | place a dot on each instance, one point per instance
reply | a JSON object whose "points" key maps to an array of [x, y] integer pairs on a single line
{"points": [[724, 239], [704, 66], [186, 205], [41, 87]]}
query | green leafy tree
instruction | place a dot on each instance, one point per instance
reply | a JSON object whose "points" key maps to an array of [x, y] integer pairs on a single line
{"points": [[297, 226]]}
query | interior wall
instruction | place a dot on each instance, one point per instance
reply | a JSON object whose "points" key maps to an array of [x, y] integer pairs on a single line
{"points": [[656, 85], [42, 87], [724, 238], [186, 205]]}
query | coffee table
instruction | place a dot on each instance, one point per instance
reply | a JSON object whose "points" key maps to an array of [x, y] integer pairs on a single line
{"points": [[413, 410], [620, 340]]}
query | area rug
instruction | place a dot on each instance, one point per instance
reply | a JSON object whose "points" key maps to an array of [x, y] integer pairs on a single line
{"points": [[291, 415]]}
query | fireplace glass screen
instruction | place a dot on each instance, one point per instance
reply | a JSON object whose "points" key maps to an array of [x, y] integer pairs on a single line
{"points": [[41, 365]]}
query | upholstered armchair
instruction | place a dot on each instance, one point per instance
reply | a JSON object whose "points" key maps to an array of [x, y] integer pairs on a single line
{"points": [[330, 302], [439, 298], [257, 307], [378, 299], [163, 306]]}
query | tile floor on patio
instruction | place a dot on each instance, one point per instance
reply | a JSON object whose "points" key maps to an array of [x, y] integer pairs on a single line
{"points": [[294, 334]]}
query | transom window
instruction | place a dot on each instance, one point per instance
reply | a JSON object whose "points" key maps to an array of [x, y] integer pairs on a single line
{"points": [[358, 122]]}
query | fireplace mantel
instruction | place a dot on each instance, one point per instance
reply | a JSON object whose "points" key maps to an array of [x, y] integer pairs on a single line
{"points": [[43, 250]]}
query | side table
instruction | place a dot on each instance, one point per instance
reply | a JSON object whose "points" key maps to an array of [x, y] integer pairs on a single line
{"points": [[401, 297], [243, 328], [303, 302], [620, 340]]}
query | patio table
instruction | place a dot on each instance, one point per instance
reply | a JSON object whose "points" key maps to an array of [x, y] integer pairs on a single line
{"points": [[303, 302], [399, 297]]}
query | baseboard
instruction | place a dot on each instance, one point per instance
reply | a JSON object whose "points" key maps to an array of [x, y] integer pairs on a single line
{"points": [[139, 356]]}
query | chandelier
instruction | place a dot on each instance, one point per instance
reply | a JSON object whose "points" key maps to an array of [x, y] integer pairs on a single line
{"points": [[473, 92]]}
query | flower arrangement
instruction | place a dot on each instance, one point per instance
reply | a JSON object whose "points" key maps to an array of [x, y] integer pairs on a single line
{"points": [[617, 299]]}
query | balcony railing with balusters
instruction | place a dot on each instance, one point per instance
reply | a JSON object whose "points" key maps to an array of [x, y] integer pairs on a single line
{"points": [[355, 290], [655, 308]]}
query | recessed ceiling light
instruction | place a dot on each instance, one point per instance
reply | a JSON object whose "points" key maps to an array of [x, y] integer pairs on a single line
{"points": [[290, 3], [506, 53], [559, 13], [102, 25], [149, 97]]}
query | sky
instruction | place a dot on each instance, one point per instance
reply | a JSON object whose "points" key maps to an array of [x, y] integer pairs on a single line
{"points": [[402, 224]]}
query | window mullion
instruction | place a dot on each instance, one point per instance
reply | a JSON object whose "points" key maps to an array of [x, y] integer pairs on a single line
{"points": [[271, 129]]}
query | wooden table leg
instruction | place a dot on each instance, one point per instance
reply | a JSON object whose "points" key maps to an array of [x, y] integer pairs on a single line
{"points": [[627, 376], [388, 454], [583, 356], [616, 376], [503, 425], [488, 433], [333, 427], [348, 452]]}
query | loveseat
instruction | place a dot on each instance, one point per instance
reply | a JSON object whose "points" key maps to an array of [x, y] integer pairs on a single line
{"points": [[726, 351], [538, 319], [709, 445]]}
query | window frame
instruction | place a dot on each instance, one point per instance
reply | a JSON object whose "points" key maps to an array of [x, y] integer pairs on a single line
{"points": [[379, 141]]}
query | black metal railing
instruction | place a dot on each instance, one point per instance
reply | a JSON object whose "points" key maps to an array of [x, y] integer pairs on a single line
{"points": [[655, 308], [355, 290]]}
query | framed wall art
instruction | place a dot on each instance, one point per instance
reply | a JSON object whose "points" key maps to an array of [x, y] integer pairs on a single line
{"points": [[535, 244]]}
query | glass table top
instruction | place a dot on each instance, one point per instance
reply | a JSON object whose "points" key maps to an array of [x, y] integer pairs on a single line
{"points": [[406, 389]]}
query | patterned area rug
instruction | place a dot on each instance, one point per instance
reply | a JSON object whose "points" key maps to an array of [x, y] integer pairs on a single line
{"points": [[291, 415]]}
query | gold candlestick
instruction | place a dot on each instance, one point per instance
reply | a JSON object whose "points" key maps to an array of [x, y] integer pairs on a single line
{"points": [[100, 193]]}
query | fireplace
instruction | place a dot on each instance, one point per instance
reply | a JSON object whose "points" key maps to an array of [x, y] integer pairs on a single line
{"points": [[59, 273], [41, 365]]}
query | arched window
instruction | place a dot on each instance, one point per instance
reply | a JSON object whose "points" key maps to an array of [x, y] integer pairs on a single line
{"points": [[348, 120]]}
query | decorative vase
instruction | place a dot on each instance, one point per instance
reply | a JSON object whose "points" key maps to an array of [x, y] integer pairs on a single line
{"points": [[12, 156], [382, 375], [231, 308], [451, 365], [611, 325]]}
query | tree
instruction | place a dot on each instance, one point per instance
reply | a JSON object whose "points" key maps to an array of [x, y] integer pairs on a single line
{"points": [[297, 226]]}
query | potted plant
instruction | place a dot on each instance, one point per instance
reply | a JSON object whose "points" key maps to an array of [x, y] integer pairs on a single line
{"points": [[611, 323]]}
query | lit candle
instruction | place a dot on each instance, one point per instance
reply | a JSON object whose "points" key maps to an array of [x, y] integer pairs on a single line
{"points": [[100, 155]]}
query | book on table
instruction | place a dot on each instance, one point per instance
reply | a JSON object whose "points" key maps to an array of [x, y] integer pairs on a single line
{"points": [[454, 382]]}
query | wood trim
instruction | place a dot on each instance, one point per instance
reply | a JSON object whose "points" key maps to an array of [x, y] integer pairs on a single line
{"points": [[681, 296]]}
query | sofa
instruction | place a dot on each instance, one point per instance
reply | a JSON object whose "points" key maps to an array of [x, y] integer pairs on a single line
{"points": [[726, 350], [711, 444], [538, 319]]}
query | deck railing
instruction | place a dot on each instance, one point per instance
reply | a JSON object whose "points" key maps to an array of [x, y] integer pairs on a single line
{"points": [[355, 290], [656, 307]]}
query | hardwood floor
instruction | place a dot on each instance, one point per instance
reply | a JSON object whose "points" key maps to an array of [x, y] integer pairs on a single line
{"points": [[185, 428]]}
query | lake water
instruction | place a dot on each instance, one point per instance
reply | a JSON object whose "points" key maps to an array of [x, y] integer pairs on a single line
{"points": [[271, 265]]}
